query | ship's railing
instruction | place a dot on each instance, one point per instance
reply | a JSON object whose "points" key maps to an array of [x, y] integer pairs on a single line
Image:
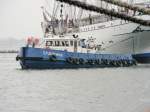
{"points": [[128, 6], [96, 19]]}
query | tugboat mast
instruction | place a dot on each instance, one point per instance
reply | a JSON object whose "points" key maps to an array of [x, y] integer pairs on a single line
{"points": [[61, 17]]}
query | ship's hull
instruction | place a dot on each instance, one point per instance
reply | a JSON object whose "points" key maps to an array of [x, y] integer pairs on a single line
{"points": [[143, 58], [119, 36], [40, 58]]}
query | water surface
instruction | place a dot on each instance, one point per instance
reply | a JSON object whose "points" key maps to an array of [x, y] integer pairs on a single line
{"points": [[78, 90]]}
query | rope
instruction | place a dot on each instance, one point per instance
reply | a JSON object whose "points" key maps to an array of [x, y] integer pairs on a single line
{"points": [[105, 11], [128, 6]]}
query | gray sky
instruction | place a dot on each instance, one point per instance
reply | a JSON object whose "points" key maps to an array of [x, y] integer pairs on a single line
{"points": [[20, 18]]}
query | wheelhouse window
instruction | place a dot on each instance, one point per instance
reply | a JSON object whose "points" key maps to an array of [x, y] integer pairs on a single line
{"points": [[49, 43], [63, 43], [71, 43], [66, 43], [57, 43]]}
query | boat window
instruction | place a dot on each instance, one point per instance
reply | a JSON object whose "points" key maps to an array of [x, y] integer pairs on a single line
{"points": [[66, 43], [57, 43], [62, 43], [49, 43], [71, 42]]}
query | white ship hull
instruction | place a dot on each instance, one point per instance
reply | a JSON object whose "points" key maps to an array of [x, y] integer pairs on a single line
{"points": [[119, 36]]}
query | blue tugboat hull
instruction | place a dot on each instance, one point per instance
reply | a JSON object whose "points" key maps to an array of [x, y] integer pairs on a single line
{"points": [[40, 58], [143, 58]]}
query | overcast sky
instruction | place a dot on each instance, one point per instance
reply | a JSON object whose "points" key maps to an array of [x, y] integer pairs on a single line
{"points": [[20, 18]]}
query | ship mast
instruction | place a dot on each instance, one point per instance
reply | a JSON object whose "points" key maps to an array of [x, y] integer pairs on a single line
{"points": [[61, 20]]}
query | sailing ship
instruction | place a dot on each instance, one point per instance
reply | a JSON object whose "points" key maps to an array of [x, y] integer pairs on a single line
{"points": [[112, 35]]}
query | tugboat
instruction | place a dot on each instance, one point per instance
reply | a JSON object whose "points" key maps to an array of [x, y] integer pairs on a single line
{"points": [[73, 52], [63, 51]]}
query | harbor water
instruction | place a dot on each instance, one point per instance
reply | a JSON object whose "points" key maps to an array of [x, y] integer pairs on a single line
{"points": [[73, 90]]}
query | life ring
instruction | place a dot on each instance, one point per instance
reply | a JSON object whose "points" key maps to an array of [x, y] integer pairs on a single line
{"points": [[69, 60], [76, 61], [117, 63], [91, 62], [114, 63], [52, 58], [88, 61], [98, 61], [120, 64], [126, 62], [122, 61], [108, 62], [130, 62], [81, 61], [105, 61], [102, 61], [111, 62]]}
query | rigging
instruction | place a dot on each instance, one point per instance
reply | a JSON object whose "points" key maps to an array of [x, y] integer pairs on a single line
{"points": [[106, 11]]}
